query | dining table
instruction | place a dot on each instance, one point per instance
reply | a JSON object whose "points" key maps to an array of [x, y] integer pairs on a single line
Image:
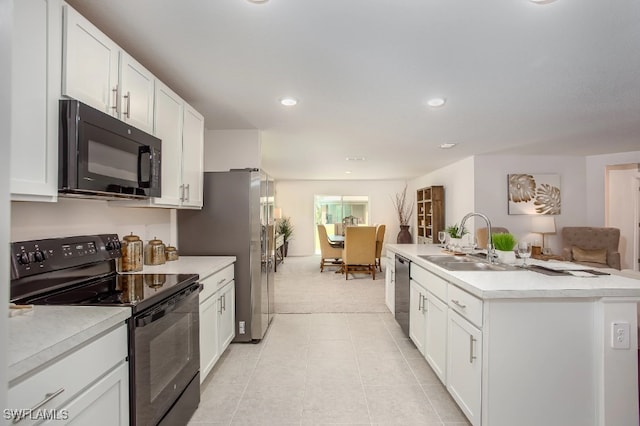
{"points": [[336, 240]]}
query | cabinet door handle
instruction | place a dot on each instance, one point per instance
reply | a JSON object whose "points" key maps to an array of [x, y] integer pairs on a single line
{"points": [[47, 397], [471, 344], [220, 301], [224, 302], [127, 113], [221, 281], [181, 192], [188, 196], [458, 304], [115, 99]]}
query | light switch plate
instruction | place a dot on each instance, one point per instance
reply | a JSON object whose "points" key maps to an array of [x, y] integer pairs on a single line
{"points": [[620, 335]]}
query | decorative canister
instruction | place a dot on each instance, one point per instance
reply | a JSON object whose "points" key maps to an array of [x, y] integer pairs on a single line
{"points": [[154, 252], [171, 253], [131, 254]]}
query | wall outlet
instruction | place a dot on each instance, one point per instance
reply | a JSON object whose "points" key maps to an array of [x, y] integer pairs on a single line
{"points": [[241, 327], [620, 335]]}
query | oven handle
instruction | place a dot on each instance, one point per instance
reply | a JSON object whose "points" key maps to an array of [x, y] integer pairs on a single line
{"points": [[145, 150], [167, 306]]}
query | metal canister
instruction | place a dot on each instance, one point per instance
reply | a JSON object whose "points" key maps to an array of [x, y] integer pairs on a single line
{"points": [[171, 253], [154, 252], [131, 254]]}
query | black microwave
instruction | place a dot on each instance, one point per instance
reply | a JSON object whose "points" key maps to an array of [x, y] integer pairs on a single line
{"points": [[101, 156]]}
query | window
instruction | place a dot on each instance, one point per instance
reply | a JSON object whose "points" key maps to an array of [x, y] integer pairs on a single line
{"points": [[332, 209]]}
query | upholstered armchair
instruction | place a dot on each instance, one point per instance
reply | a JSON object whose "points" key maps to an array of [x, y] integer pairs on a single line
{"points": [[482, 235], [591, 246], [359, 254], [330, 254]]}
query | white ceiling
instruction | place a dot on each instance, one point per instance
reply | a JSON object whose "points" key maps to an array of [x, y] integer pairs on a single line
{"points": [[559, 78]]}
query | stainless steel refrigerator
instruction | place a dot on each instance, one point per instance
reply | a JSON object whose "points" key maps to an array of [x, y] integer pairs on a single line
{"points": [[237, 220]]}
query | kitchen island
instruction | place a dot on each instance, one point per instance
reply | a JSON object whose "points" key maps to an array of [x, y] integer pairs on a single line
{"points": [[522, 348]]}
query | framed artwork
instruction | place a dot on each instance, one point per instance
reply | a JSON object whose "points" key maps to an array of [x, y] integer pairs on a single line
{"points": [[534, 194]]}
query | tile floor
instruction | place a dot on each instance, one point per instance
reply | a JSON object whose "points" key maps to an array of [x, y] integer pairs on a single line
{"points": [[326, 368]]}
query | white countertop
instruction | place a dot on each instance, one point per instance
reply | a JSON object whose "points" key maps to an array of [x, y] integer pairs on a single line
{"points": [[521, 283], [47, 332], [201, 265]]}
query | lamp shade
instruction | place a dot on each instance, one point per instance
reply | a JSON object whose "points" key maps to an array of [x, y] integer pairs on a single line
{"points": [[543, 224], [277, 213]]}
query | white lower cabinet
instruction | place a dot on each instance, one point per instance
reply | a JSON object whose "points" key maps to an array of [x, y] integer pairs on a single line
{"points": [[464, 366], [390, 284], [417, 317], [217, 318], [435, 350], [87, 386]]}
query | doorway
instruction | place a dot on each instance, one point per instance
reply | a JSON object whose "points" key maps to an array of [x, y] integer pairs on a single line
{"points": [[623, 185], [330, 210]]}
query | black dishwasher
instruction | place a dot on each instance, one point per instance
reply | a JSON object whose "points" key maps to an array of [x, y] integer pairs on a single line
{"points": [[402, 293]]}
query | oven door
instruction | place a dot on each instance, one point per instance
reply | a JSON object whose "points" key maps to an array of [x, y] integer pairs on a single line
{"points": [[166, 354]]}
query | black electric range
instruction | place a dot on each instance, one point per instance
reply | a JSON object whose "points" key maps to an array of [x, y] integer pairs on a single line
{"points": [[164, 385]]}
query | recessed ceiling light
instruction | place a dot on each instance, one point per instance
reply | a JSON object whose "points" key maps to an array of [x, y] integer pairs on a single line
{"points": [[289, 101], [355, 158], [348, 172], [542, 1], [436, 102], [447, 145], [258, 1]]}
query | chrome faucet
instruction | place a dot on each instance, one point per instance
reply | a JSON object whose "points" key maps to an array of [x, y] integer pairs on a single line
{"points": [[491, 256]]}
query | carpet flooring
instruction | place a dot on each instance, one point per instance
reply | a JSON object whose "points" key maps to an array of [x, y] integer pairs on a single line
{"points": [[300, 287]]}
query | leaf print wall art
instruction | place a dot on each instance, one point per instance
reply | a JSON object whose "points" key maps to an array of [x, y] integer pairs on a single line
{"points": [[534, 194]]}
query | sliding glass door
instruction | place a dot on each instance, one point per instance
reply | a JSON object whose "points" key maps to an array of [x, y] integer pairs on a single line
{"points": [[331, 210]]}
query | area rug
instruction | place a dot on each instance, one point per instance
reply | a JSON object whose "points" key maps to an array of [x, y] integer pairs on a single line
{"points": [[300, 287]]}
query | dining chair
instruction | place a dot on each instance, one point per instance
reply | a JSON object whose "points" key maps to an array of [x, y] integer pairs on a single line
{"points": [[331, 255], [482, 235], [379, 240], [359, 253]]}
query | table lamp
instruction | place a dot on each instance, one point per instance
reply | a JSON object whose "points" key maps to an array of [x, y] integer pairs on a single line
{"points": [[543, 224]]}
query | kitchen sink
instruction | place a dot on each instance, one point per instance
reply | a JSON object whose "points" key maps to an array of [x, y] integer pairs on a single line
{"points": [[466, 263]]}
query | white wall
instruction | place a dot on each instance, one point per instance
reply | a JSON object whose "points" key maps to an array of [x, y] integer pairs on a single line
{"points": [[491, 192], [231, 149], [296, 199], [71, 216], [458, 182]]}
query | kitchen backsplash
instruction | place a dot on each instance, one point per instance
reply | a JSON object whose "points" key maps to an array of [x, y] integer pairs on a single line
{"points": [[68, 217]]}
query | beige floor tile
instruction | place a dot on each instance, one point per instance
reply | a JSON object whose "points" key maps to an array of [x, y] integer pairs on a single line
{"points": [[423, 372], [218, 404], [270, 404], [332, 349], [444, 405], [336, 371], [376, 371], [399, 405], [334, 404]]}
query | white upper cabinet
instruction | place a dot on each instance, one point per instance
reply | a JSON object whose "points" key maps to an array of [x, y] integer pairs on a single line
{"points": [[192, 157], [90, 63], [35, 82], [137, 93], [168, 127], [98, 72]]}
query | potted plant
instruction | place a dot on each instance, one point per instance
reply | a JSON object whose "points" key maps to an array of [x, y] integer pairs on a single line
{"points": [[285, 227], [404, 209], [504, 244]]}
